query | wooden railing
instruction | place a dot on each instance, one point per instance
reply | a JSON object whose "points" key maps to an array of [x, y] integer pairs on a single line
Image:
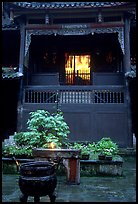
{"points": [[74, 94], [79, 78]]}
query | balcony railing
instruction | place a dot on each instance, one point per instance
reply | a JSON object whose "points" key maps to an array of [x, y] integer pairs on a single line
{"points": [[74, 94]]}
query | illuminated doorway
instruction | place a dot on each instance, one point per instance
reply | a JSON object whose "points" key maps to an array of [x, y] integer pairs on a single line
{"points": [[77, 69]]}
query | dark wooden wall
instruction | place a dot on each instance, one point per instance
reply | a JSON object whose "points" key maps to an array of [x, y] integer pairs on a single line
{"points": [[90, 122]]}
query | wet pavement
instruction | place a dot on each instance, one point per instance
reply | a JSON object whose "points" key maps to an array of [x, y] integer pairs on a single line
{"points": [[91, 189]]}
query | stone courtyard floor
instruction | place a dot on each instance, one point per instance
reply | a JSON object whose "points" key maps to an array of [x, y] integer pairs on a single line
{"points": [[91, 189]]}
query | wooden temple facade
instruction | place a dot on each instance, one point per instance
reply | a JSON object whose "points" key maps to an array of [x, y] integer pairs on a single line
{"points": [[73, 56]]}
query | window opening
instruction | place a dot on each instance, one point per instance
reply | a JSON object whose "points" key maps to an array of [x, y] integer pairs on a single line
{"points": [[77, 69]]}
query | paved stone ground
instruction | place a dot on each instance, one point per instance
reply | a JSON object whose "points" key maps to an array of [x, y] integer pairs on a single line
{"points": [[91, 189]]}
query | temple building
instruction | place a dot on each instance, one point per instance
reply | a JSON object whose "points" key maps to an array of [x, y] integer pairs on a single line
{"points": [[72, 56]]}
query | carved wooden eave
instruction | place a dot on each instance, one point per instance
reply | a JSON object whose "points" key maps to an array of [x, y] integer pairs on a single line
{"points": [[27, 8], [64, 5], [75, 30]]}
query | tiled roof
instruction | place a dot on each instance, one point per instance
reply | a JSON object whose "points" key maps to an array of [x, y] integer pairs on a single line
{"points": [[55, 5]]}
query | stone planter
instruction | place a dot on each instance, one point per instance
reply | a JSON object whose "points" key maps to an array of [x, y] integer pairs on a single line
{"points": [[101, 168]]}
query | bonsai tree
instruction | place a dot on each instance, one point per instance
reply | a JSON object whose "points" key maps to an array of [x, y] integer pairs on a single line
{"points": [[50, 127], [44, 129]]}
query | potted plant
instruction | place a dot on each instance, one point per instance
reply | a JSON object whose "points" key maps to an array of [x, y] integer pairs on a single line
{"points": [[106, 148], [101, 156], [77, 145], [84, 149], [105, 154], [85, 153], [108, 156]]}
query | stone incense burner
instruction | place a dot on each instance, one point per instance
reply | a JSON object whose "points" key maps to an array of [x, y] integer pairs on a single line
{"points": [[37, 179]]}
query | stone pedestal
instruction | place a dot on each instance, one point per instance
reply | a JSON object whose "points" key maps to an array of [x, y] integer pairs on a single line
{"points": [[69, 157]]}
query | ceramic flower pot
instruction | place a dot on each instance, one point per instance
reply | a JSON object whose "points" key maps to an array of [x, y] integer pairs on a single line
{"points": [[85, 156], [108, 157], [101, 157]]}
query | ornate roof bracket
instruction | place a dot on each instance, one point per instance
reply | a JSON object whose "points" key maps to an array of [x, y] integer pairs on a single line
{"points": [[75, 30], [119, 30]]}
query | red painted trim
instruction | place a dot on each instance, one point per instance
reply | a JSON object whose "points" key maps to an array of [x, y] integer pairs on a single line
{"points": [[90, 25]]}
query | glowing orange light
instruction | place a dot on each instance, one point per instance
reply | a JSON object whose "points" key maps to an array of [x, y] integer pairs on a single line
{"points": [[17, 163], [78, 64], [52, 145]]}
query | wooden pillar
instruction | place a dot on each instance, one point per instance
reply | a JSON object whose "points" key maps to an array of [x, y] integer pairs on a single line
{"points": [[22, 47], [127, 68], [21, 62], [127, 62]]}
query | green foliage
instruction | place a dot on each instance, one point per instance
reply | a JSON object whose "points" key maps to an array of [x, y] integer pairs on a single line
{"points": [[31, 139], [89, 147], [51, 127], [104, 146], [85, 149], [44, 128], [107, 146], [92, 147], [77, 145], [14, 150]]}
